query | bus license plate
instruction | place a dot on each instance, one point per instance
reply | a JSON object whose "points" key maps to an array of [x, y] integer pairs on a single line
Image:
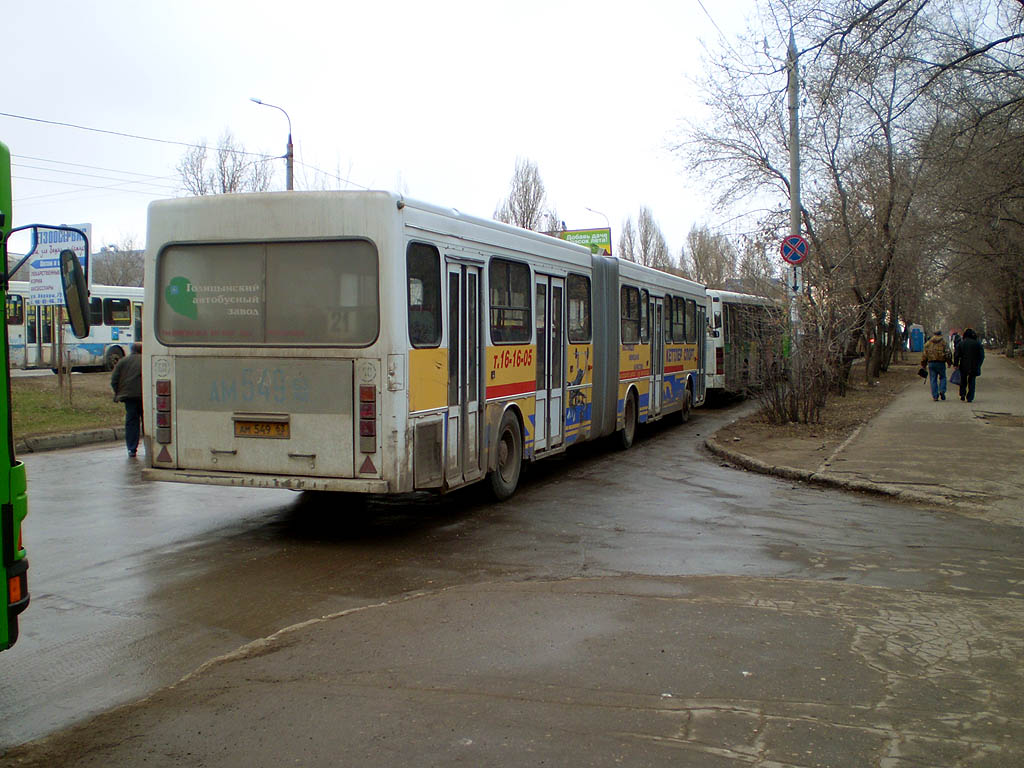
{"points": [[278, 429]]}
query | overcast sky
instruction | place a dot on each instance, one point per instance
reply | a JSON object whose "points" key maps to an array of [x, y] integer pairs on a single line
{"points": [[435, 100]]}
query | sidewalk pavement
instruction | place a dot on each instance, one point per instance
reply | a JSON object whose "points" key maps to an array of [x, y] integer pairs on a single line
{"points": [[966, 456]]}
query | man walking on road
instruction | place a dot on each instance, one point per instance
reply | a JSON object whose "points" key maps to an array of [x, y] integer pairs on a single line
{"points": [[936, 355], [126, 381], [970, 354]]}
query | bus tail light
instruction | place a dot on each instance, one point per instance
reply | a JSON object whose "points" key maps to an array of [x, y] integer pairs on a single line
{"points": [[163, 411], [15, 593], [719, 361], [367, 419]]}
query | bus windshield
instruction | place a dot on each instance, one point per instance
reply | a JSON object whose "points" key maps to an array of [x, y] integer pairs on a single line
{"points": [[268, 294]]}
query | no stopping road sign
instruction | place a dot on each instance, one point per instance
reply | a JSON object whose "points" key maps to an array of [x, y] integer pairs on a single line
{"points": [[794, 249]]}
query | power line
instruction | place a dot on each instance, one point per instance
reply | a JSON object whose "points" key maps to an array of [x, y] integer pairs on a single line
{"points": [[332, 175], [80, 165], [124, 135], [92, 176], [260, 155], [721, 34], [80, 187]]}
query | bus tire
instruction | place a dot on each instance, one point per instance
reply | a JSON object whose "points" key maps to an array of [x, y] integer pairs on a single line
{"points": [[629, 420], [687, 409], [112, 358], [509, 459]]}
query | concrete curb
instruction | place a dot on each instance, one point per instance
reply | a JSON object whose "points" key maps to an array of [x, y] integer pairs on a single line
{"points": [[68, 440], [826, 478]]}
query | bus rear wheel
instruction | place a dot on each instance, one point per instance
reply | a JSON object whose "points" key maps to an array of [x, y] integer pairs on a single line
{"points": [[112, 358], [505, 476], [628, 432]]}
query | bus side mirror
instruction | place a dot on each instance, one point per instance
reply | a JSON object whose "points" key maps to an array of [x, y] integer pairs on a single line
{"points": [[76, 294]]}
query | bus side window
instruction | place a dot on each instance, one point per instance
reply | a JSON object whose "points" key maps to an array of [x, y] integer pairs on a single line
{"points": [[578, 288], [629, 306], [674, 320], [117, 312], [95, 311], [691, 321], [137, 324], [509, 287], [645, 325], [15, 310], [423, 270]]}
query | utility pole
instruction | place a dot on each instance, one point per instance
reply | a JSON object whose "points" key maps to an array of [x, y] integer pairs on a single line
{"points": [[793, 90], [794, 137]]}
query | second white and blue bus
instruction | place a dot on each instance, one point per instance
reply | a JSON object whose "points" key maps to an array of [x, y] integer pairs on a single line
{"points": [[116, 321]]}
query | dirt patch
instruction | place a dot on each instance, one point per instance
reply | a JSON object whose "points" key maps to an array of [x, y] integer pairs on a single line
{"points": [[806, 446]]}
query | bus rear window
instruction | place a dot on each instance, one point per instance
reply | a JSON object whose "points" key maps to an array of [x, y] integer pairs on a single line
{"points": [[279, 293]]}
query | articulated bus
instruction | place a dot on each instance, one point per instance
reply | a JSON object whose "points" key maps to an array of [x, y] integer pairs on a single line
{"points": [[115, 322], [735, 340], [364, 342]]}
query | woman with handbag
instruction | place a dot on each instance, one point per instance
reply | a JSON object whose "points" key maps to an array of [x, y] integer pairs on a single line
{"points": [[936, 356], [970, 354]]}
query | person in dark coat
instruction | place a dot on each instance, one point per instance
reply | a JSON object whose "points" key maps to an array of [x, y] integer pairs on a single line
{"points": [[126, 381], [968, 359]]}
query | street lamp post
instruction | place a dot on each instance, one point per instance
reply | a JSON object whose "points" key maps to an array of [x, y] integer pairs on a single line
{"points": [[606, 221], [601, 214], [289, 155]]}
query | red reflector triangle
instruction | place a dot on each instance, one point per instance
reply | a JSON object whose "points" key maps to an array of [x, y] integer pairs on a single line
{"points": [[367, 468], [163, 455]]}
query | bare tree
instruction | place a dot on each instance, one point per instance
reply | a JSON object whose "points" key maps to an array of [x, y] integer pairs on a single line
{"points": [[865, 119], [627, 240], [710, 259], [645, 244], [118, 264], [233, 169], [526, 205]]}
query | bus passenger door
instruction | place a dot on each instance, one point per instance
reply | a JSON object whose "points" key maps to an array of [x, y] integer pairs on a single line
{"points": [[549, 414], [463, 430], [657, 358]]}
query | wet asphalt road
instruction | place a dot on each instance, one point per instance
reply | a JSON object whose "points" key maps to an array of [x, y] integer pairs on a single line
{"points": [[136, 584]]}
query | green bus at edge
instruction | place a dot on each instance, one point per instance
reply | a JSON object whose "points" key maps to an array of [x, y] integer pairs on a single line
{"points": [[13, 486], [13, 483]]}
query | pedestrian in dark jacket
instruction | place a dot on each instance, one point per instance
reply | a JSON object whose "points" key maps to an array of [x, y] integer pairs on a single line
{"points": [[969, 357], [126, 381], [936, 356]]}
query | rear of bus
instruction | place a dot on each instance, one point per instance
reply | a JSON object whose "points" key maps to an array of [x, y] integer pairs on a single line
{"points": [[266, 348]]}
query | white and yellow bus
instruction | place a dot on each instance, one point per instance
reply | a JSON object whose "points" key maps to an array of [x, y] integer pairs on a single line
{"points": [[364, 342]]}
